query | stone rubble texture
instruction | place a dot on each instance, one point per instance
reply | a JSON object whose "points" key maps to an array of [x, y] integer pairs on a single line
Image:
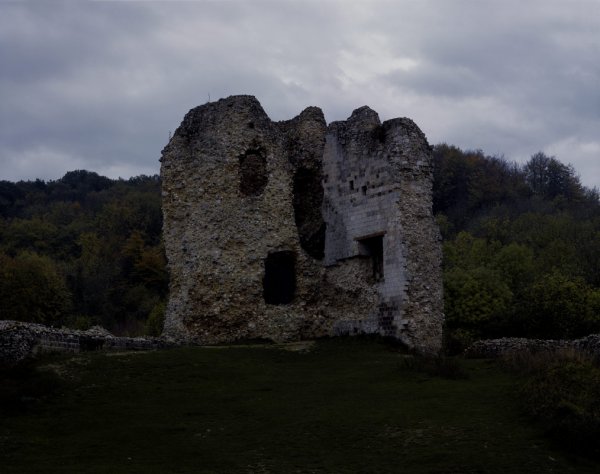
{"points": [[238, 188], [20, 341], [493, 348]]}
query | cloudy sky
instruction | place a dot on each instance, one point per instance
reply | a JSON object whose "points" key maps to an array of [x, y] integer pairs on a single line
{"points": [[100, 85]]}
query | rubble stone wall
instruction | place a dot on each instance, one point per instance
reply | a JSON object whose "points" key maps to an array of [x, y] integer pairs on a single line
{"points": [[493, 348], [19, 340], [217, 236], [250, 203]]}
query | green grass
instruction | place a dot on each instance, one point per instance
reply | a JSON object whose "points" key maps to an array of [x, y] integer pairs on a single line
{"points": [[346, 406]]}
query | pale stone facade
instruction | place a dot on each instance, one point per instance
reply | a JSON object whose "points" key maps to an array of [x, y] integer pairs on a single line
{"points": [[295, 229]]}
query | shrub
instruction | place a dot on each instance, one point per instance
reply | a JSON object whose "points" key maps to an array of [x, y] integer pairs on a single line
{"points": [[527, 363], [82, 322], [156, 320], [456, 341], [562, 391]]}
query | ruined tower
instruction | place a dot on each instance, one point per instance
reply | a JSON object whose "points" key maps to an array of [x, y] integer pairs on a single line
{"points": [[295, 229]]}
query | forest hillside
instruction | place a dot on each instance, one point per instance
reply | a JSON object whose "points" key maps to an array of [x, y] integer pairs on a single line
{"points": [[521, 247], [83, 250]]}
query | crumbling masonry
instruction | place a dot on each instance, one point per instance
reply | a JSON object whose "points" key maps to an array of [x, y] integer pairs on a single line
{"points": [[295, 229]]}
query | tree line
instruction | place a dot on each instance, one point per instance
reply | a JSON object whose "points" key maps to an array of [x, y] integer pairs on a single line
{"points": [[521, 249], [83, 250]]}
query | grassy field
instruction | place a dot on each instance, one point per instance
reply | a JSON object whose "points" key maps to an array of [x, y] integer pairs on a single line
{"points": [[344, 406]]}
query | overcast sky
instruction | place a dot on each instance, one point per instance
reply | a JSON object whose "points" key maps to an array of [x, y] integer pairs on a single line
{"points": [[99, 85]]}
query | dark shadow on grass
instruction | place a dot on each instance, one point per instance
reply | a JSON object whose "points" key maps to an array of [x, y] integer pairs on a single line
{"points": [[23, 386], [439, 366]]}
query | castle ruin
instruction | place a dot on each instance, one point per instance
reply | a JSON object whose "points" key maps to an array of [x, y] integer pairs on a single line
{"points": [[296, 229]]}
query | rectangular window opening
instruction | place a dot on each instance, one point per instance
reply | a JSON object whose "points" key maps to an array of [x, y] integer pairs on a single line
{"points": [[373, 248], [279, 282]]}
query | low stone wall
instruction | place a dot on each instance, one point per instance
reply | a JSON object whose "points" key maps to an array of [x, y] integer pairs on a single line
{"points": [[492, 348], [19, 340]]}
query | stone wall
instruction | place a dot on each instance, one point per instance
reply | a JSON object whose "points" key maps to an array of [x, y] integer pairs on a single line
{"points": [[19, 340], [219, 230], [290, 230], [378, 185], [492, 348]]}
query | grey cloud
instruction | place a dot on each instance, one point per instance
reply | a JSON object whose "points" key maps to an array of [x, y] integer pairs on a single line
{"points": [[100, 85], [535, 66]]}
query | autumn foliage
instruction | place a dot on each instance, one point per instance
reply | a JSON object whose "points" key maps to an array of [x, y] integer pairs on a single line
{"points": [[82, 250]]}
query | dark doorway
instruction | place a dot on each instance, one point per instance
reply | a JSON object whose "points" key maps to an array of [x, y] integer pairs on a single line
{"points": [[373, 248], [279, 283], [253, 173]]}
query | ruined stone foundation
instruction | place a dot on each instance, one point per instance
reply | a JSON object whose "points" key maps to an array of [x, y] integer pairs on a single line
{"points": [[292, 230]]}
